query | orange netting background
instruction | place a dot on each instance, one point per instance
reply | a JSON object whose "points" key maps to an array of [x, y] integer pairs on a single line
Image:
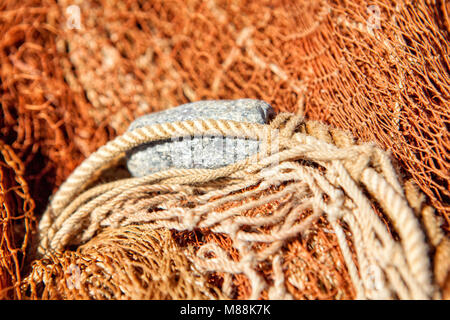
{"points": [[65, 92], [17, 220]]}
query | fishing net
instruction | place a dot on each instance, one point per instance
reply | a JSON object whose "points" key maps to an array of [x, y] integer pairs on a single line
{"points": [[17, 222], [378, 69], [122, 263]]}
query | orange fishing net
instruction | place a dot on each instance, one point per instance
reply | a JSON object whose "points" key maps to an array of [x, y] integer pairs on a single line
{"points": [[377, 68], [123, 263], [17, 222]]}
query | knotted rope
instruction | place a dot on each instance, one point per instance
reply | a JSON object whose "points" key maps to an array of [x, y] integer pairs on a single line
{"points": [[315, 171]]}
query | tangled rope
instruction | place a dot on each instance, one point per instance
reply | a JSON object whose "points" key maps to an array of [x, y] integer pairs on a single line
{"points": [[315, 172]]}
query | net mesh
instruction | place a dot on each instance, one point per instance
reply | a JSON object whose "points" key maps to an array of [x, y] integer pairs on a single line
{"points": [[17, 222], [66, 91], [123, 263]]}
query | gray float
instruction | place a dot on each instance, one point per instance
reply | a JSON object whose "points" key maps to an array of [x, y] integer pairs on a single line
{"points": [[208, 152]]}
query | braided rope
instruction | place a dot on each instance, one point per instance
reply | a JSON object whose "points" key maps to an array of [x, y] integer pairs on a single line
{"points": [[75, 214]]}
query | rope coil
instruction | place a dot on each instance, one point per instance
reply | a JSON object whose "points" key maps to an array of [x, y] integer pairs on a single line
{"points": [[311, 168]]}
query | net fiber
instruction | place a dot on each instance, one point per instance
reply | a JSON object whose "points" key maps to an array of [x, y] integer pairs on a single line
{"points": [[66, 91], [17, 221]]}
